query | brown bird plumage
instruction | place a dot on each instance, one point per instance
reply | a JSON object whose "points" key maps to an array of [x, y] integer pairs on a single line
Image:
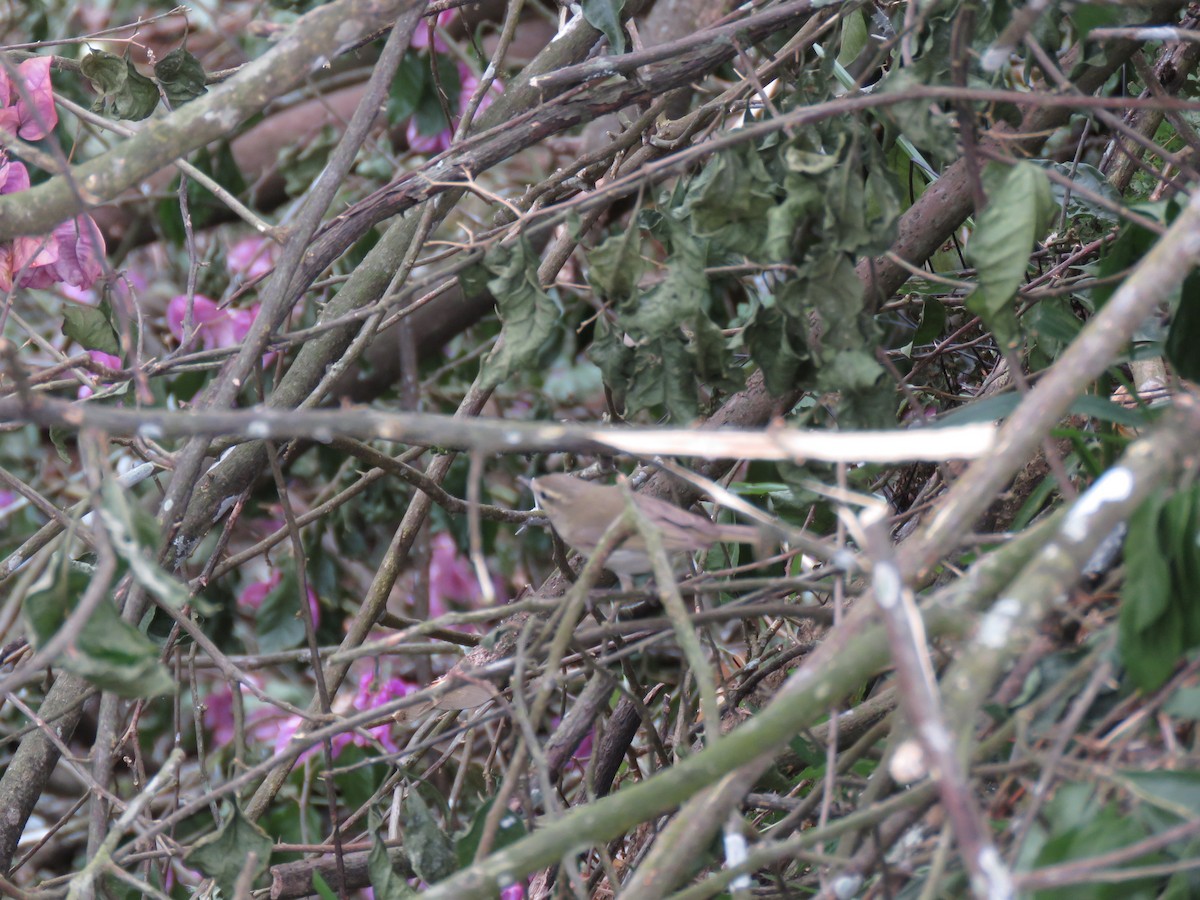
{"points": [[581, 511]]}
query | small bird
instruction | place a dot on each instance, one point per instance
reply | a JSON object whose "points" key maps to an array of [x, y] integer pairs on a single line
{"points": [[581, 511]]}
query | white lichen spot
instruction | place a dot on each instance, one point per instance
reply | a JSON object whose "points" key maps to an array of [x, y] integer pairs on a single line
{"points": [[505, 879], [996, 625], [168, 505], [513, 438], [908, 762], [150, 431], [888, 585], [846, 886], [1000, 883], [258, 429], [322, 435], [1114, 486]]}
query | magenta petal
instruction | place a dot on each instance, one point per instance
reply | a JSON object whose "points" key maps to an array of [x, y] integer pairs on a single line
{"points": [[38, 120], [14, 177], [80, 248], [203, 311]]}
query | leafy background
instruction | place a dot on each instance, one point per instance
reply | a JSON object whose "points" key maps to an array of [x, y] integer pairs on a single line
{"points": [[840, 216]]}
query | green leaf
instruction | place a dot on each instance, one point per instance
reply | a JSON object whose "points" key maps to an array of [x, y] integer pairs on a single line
{"points": [[1184, 703], [223, 855], [682, 296], [614, 359], [124, 92], [91, 328], [108, 651], [387, 883], [181, 76], [134, 535], [854, 37], [321, 886], [933, 322], [616, 266], [776, 344], [1018, 211], [1183, 340], [301, 163], [407, 88], [509, 830], [663, 377], [1000, 406], [279, 624], [605, 17], [1149, 625], [529, 315], [429, 850]]}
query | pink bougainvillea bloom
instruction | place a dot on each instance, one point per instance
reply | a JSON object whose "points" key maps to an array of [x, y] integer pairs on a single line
{"points": [[16, 115], [74, 249], [470, 84], [71, 253], [513, 892], [450, 575], [420, 38], [436, 143], [371, 693], [252, 257], [252, 596], [214, 327], [264, 723], [105, 359]]}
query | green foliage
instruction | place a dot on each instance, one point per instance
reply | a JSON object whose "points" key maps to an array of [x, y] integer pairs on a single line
{"points": [[108, 651], [530, 316], [222, 856], [428, 848], [1159, 620], [279, 623], [605, 17], [509, 830], [1183, 338], [203, 206], [124, 92], [92, 327], [805, 208], [414, 92], [181, 76], [134, 536], [386, 882], [1079, 827], [301, 164], [1017, 215]]}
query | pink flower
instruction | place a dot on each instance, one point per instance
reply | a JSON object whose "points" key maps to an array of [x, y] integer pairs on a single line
{"points": [[71, 253], [450, 575], [264, 723], [436, 143], [513, 892], [215, 327], [105, 359], [16, 116], [369, 695], [252, 257], [420, 38], [252, 596]]}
